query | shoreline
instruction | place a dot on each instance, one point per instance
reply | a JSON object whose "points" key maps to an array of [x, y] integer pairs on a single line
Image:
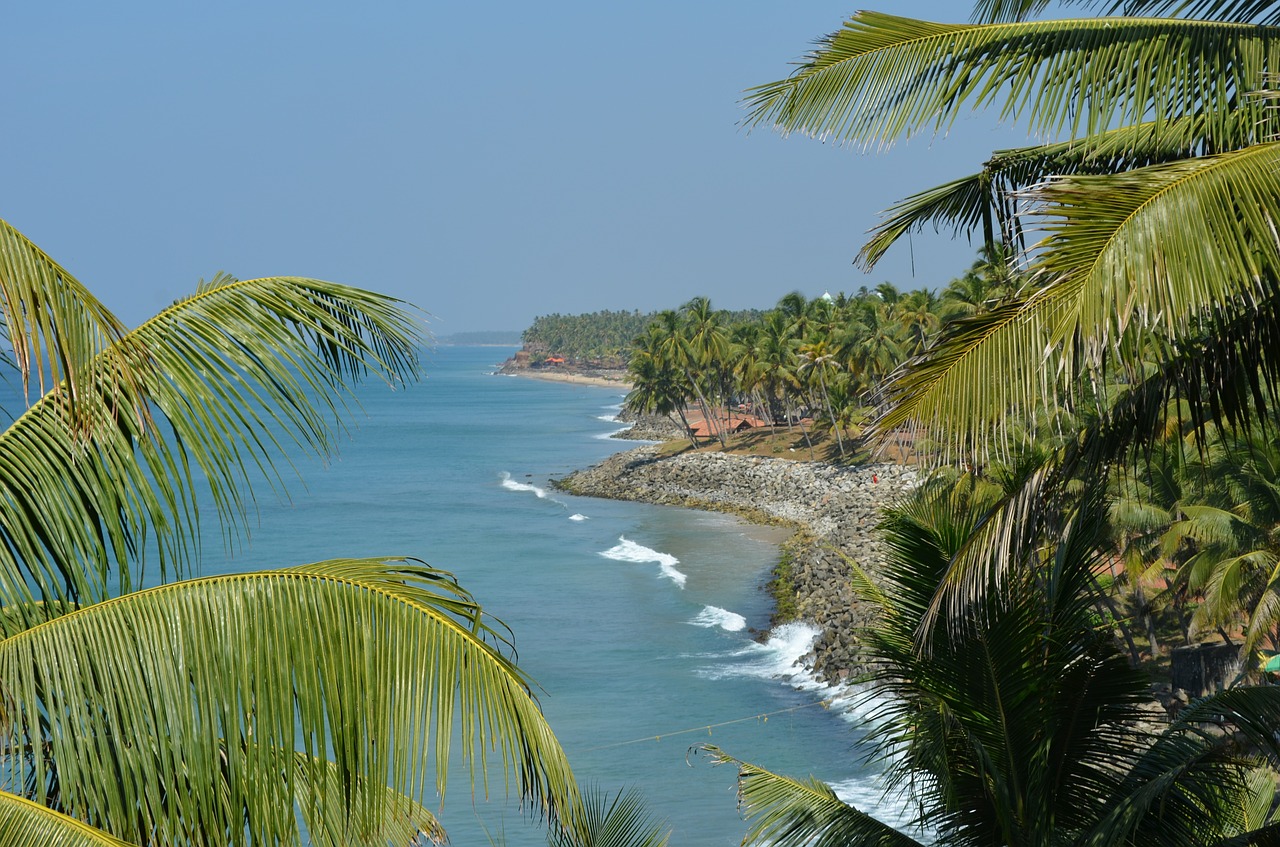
{"points": [[831, 510], [570, 377]]}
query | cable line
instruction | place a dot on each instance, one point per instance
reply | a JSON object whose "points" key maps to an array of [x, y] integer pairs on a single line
{"points": [[709, 726]]}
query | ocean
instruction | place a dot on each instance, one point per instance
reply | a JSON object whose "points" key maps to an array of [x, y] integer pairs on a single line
{"points": [[639, 623]]}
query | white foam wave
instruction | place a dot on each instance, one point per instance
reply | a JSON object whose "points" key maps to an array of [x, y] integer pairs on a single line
{"points": [[605, 436], [714, 616], [607, 418], [629, 551], [866, 794], [578, 518], [511, 485], [781, 657]]}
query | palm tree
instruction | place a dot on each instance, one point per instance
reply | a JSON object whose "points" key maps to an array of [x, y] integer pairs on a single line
{"points": [[706, 348], [819, 361], [658, 386], [778, 365], [1018, 722], [990, 279], [323, 699], [1154, 209]]}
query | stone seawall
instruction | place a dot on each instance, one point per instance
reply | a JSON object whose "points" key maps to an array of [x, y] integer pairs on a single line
{"points": [[833, 508]]}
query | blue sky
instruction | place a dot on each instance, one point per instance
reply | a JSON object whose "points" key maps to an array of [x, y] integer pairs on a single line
{"points": [[488, 162]]}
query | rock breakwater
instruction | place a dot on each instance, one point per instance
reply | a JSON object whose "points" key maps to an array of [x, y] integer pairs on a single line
{"points": [[833, 508]]}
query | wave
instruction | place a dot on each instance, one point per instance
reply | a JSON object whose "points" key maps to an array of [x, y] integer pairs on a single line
{"points": [[579, 518], [511, 485], [714, 616], [781, 657], [629, 551], [867, 794]]}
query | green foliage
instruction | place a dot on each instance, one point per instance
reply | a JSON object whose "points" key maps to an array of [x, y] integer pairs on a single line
{"points": [[602, 335], [1015, 720], [244, 709]]}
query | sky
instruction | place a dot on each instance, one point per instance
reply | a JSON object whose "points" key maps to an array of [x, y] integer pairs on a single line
{"points": [[485, 162]]}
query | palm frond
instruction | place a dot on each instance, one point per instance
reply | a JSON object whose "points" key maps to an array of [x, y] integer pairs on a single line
{"points": [[790, 812], [1240, 11], [620, 821], [242, 374], [55, 325], [987, 199], [948, 391], [1160, 248], [329, 824], [175, 713], [1149, 264], [27, 824], [1191, 769], [881, 77]]}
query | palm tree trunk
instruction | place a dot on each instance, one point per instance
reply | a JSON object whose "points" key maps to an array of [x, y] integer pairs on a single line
{"points": [[835, 425]]}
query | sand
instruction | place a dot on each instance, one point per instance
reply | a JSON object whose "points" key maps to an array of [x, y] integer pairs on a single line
{"points": [[550, 375]]}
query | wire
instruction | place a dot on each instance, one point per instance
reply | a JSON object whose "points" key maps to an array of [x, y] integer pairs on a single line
{"points": [[763, 717]]}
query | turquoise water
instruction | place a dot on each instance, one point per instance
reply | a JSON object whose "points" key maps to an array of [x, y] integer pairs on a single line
{"points": [[638, 622]]}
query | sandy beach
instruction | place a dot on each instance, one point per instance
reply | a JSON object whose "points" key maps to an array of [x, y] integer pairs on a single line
{"points": [[550, 375]]}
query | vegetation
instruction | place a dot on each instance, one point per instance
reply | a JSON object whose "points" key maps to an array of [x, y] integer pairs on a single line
{"points": [[823, 359], [1116, 404], [1018, 721], [322, 699], [603, 336]]}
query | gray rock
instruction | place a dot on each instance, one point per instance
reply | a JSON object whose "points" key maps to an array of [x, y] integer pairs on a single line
{"points": [[834, 508]]}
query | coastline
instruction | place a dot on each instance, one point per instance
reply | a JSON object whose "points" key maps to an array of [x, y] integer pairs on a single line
{"points": [[831, 509], [592, 378]]}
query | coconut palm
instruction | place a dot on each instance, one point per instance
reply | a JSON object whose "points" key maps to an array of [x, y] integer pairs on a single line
{"points": [[322, 701], [1154, 208], [819, 363], [1019, 722], [658, 385], [778, 366], [623, 821], [706, 344]]}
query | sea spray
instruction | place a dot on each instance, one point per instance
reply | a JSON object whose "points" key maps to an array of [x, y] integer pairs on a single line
{"points": [[511, 485], [629, 551], [780, 657], [712, 617]]}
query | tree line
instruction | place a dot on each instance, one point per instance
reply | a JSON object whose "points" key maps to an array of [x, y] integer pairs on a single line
{"points": [[824, 358], [1110, 418]]}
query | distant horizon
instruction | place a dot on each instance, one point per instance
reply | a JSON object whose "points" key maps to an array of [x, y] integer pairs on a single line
{"points": [[172, 141]]}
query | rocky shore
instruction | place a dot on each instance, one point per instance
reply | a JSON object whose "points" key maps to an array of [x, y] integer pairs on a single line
{"points": [[832, 508]]}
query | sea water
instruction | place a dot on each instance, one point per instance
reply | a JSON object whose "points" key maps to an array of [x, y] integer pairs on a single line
{"points": [[640, 624]]}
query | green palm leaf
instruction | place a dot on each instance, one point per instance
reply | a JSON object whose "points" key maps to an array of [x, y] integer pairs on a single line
{"points": [[174, 713], [950, 390], [622, 821], [55, 325], [881, 77], [330, 823], [792, 812], [1131, 262], [27, 824], [1158, 247], [1183, 788], [986, 200], [1243, 11], [239, 374]]}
